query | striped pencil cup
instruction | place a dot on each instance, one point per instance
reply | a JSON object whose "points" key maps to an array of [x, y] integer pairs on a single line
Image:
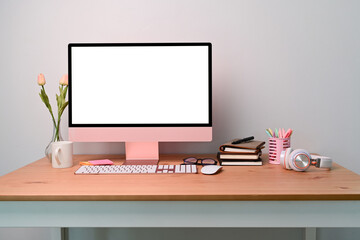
{"points": [[276, 146]]}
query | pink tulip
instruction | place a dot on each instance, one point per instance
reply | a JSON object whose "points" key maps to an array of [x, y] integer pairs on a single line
{"points": [[41, 79], [64, 80]]}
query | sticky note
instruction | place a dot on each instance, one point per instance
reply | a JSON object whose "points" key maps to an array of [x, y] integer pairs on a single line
{"points": [[101, 162]]}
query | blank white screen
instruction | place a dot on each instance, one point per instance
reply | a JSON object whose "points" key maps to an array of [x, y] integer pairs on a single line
{"points": [[140, 85]]}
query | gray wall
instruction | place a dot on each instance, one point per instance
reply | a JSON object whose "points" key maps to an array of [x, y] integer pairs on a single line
{"points": [[275, 64]]}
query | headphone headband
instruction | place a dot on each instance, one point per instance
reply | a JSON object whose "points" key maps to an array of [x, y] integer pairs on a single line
{"points": [[322, 161]]}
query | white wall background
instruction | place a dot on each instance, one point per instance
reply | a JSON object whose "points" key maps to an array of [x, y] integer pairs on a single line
{"points": [[276, 63]]}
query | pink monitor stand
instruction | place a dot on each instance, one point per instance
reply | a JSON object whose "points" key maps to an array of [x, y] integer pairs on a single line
{"points": [[141, 143], [142, 153]]}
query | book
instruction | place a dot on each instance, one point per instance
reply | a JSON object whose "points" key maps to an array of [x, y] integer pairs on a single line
{"points": [[239, 150], [246, 147], [236, 156], [257, 162]]}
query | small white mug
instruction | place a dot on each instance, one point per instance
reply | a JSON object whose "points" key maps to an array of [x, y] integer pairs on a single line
{"points": [[62, 154]]}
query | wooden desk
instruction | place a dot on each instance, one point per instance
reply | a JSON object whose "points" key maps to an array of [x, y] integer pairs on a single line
{"points": [[38, 195], [40, 182]]}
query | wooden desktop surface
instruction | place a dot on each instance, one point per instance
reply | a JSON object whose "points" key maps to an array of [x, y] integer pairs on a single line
{"points": [[38, 181]]}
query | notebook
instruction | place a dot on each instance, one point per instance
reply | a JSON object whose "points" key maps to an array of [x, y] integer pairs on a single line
{"points": [[246, 147]]}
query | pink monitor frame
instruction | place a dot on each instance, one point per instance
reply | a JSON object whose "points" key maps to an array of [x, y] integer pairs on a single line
{"points": [[141, 143]]}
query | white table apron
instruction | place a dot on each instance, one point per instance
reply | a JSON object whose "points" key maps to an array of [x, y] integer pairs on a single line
{"points": [[307, 214]]}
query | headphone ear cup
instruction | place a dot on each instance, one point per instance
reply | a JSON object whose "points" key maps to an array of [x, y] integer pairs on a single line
{"points": [[285, 161], [299, 160], [282, 157]]}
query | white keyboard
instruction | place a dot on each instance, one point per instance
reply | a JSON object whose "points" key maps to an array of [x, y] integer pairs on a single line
{"points": [[136, 169]]}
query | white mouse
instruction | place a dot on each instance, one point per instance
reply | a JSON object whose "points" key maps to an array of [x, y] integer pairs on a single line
{"points": [[210, 169]]}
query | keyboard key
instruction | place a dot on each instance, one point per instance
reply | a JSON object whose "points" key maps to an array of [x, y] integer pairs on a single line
{"points": [[152, 169]]}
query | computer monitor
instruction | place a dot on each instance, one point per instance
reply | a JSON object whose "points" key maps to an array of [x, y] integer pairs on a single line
{"points": [[140, 94]]}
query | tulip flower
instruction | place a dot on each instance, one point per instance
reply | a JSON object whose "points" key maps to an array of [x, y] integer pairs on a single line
{"points": [[64, 80], [41, 79]]}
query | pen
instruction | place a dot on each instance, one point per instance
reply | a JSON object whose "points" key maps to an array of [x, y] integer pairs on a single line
{"points": [[86, 163], [287, 133], [271, 132], [243, 140], [268, 133], [291, 131]]}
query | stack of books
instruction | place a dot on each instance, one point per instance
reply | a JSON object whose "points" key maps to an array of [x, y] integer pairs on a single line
{"points": [[241, 154]]}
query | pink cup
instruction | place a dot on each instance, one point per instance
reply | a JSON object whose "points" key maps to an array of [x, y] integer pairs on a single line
{"points": [[276, 146]]}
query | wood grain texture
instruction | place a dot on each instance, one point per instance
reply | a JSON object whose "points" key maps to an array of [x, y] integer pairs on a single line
{"points": [[38, 181]]}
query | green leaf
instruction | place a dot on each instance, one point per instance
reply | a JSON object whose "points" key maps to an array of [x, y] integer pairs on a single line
{"points": [[65, 91], [58, 101], [62, 93], [45, 100], [63, 108]]}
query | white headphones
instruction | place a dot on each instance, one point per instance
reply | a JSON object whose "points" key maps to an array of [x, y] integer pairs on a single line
{"points": [[300, 160]]}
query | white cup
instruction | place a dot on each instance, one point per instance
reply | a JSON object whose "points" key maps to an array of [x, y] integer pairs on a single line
{"points": [[62, 154]]}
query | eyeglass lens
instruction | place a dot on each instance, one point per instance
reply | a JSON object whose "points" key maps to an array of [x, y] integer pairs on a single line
{"points": [[190, 160], [208, 161]]}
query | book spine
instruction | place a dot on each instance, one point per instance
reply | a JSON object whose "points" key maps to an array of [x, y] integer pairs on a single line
{"points": [[239, 157], [240, 163], [234, 152]]}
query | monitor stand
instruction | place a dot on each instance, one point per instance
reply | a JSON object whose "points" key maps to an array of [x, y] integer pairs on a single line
{"points": [[141, 153]]}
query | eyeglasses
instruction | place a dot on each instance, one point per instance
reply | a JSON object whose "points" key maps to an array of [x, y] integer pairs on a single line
{"points": [[199, 161]]}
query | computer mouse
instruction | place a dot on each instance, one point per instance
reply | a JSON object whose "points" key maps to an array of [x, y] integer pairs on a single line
{"points": [[210, 169]]}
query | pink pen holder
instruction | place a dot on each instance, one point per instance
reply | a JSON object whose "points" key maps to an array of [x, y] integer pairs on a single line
{"points": [[276, 146]]}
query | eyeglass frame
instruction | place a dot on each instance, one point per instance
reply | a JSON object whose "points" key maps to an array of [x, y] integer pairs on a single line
{"points": [[197, 160]]}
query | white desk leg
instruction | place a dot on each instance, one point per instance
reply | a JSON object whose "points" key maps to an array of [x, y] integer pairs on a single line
{"points": [[65, 234], [310, 233], [59, 234]]}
